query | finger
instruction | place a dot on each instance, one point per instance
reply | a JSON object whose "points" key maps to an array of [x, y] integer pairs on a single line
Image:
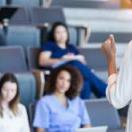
{"points": [[113, 41], [107, 43], [112, 38]]}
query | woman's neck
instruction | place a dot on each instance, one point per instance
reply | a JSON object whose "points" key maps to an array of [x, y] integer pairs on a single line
{"points": [[62, 98], [60, 95], [62, 45]]}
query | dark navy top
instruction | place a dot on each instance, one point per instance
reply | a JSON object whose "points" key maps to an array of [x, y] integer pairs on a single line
{"points": [[58, 52]]}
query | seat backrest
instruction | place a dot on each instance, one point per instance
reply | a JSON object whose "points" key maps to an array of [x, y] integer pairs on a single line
{"points": [[26, 3], [31, 110], [32, 57], [25, 36], [39, 16], [12, 59], [87, 3], [2, 2], [73, 35], [27, 85], [2, 37], [120, 37], [94, 57], [20, 17], [101, 112]]}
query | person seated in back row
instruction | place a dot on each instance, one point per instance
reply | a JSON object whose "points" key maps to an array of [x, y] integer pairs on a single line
{"points": [[57, 51]]}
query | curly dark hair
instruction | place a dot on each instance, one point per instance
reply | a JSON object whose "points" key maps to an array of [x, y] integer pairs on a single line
{"points": [[75, 84], [51, 36]]}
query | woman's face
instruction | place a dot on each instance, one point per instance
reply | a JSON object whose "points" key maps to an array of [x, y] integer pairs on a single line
{"points": [[63, 82], [60, 34], [9, 91]]}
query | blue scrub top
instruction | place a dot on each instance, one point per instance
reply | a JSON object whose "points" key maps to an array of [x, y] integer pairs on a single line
{"points": [[54, 117], [58, 52]]}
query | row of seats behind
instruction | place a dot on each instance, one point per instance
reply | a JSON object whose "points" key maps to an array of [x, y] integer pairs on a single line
{"points": [[17, 54], [101, 25], [24, 3], [29, 36], [25, 63], [66, 3], [107, 4], [13, 60]]}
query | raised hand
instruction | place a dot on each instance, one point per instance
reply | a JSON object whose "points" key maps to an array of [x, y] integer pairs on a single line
{"points": [[109, 50], [109, 47]]}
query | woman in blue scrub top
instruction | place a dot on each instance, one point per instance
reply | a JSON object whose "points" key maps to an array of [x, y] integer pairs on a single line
{"points": [[58, 51], [61, 109]]}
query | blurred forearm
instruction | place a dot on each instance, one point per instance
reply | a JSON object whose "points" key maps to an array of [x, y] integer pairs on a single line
{"points": [[111, 65]]}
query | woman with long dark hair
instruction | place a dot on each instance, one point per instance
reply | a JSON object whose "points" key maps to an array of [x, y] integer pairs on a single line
{"points": [[13, 116], [57, 51]]}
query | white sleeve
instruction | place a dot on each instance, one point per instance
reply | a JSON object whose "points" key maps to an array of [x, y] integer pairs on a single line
{"points": [[25, 122], [119, 90]]}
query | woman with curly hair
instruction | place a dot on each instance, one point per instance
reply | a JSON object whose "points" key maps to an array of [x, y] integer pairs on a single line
{"points": [[61, 109]]}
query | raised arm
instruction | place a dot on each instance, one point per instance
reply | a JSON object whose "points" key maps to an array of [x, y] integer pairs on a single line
{"points": [[109, 50], [118, 92], [46, 60]]}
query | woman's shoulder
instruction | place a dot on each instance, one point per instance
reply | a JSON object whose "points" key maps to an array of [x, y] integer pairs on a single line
{"points": [[51, 43], [77, 99], [22, 110], [21, 107], [77, 102], [71, 45], [46, 99]]}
